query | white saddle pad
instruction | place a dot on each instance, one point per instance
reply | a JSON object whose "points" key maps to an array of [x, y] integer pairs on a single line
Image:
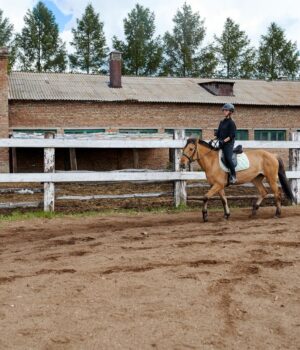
{"points": [[242, 162]]}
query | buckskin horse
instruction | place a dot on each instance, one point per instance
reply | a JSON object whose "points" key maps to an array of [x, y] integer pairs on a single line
{"points": [[262, 165]]}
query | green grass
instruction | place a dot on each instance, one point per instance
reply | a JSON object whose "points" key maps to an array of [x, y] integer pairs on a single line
{"points": [[19, 216]]}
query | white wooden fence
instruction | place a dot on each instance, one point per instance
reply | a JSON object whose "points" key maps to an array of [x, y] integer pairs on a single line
{"points": [[50, 177]]}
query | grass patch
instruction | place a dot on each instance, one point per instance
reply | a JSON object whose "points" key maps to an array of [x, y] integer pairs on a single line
{"points": [[19, 216]]}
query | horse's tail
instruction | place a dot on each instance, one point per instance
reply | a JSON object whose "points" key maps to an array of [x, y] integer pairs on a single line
{"points": [[284, 182]]}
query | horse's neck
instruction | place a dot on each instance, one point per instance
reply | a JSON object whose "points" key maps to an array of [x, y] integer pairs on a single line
{"points": [[206, 157]]}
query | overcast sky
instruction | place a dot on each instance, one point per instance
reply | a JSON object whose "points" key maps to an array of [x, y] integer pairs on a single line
{"points": [[254, 16]]}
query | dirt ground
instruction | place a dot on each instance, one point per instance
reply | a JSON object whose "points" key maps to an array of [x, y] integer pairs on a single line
{"points": [[151, 281]]}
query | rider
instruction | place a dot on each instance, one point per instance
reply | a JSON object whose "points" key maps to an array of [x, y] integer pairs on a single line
{"points": [[226, 135]]}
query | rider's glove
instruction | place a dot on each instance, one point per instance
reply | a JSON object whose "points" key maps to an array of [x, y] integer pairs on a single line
{"points": [[221, 143]]}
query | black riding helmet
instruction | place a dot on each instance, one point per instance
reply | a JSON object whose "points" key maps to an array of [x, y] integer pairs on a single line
{"points": [[228, 107]]}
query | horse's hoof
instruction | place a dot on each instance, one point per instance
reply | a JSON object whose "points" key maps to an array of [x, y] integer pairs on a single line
{"points": [[226, 216]]}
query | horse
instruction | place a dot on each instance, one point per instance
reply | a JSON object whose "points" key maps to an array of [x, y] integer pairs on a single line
{"points": [[263, 165]]}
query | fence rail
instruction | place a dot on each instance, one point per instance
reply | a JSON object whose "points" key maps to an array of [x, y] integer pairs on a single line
{"points": [[130, 143], [109, 176], [50, 177]]}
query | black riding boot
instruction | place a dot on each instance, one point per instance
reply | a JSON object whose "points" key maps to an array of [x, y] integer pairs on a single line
{"points": [[228, 152]]}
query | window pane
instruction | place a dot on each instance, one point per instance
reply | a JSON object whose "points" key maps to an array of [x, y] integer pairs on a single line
{"points": [[138, 131], [169, 131], [242, 135], [83, 131], [270, 135], [282, 135], [193, 133], [35, 131], [274, 135]]}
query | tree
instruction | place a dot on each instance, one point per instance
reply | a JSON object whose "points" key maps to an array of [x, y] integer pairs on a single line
{"points": [[6, 30], [206, 63], [183, 56], [89, 43], [235, 55], [39, 47], [6, 38], [142, 53], [277, 56]]}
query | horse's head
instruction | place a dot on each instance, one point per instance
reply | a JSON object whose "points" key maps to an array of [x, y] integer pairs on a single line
{"points": [[189, 153]]}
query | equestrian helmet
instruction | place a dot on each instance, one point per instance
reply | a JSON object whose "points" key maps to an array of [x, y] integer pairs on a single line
{"points": [[228, 107]]}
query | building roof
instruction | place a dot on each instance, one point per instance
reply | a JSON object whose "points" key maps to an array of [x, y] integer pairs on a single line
{"points": [[84, 87]]}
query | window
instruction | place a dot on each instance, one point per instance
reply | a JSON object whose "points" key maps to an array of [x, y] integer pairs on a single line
{"points": [[270, 135], [188, 132], [169, 131], [193, 133], [242, 135], [83, 131], [138, 131], [33, 131]]}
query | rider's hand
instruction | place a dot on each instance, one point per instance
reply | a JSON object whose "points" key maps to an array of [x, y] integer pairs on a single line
{"points": [[221, 143]]}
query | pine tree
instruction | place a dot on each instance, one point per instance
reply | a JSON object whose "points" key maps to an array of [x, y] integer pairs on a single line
{"points": [[39, 47], [6, 38], [235, 55], [89, 42], [142, 52], [183, 55], [278, 57]]}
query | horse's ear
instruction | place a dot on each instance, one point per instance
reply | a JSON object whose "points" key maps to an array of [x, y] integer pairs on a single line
{"points": [[191, 140]]}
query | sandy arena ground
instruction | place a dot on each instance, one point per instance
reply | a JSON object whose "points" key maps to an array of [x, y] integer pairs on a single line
{"points": [[151, 281]]}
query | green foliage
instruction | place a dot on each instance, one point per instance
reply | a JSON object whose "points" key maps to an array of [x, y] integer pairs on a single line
{"points": [[6, 38], [278, 56], [183, 56], [6, 30], [206, 62], [39, 47], [142, 52], [235, 55], [89, 42]]}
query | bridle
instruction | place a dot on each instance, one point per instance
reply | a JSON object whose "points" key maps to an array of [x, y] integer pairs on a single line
{"points": [[191, 158]]}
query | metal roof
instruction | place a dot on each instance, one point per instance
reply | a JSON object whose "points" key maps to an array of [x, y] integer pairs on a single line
{"points": [[84, 87]]}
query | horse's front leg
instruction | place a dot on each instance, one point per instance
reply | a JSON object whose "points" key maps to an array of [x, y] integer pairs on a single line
{"points": [[214, 189], [225, 204]]}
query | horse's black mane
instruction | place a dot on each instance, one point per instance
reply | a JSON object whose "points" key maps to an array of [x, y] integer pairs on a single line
{"points": [[201, 142]]}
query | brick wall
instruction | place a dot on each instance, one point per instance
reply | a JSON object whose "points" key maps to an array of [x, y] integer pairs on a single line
{"points": [[4, 124], [60, 115]]}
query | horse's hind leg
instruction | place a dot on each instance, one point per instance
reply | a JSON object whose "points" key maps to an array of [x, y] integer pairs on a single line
{"points": [[214, 189], [277, 195], [225, 204], [258, 182]]}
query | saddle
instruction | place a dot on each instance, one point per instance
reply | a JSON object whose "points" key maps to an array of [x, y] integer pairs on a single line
{"points": [[237, 150]]}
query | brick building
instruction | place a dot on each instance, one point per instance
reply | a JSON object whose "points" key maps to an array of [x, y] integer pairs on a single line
{"points": [[79, 103]]}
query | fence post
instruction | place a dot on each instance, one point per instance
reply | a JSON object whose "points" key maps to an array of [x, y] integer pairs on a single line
{"points": [[73, 159], [294, 160], [49, 167], [179, 186]]}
